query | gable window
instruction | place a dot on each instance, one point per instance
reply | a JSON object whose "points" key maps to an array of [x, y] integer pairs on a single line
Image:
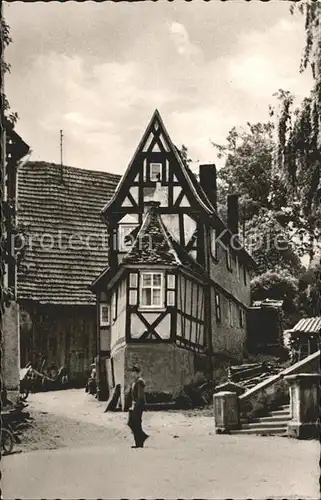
{"points": [[152, 289], [218, 307], [155, 171], [213, 244], [104, 315], [228, 259]]}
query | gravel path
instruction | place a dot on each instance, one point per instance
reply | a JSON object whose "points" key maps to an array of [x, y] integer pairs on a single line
{"points": [[85, 453]]}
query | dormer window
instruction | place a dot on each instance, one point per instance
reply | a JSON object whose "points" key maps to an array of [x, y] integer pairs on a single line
{"points": [[155, 171]]}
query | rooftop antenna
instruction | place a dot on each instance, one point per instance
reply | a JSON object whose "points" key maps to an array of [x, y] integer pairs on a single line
{"points": [[61, 157]]}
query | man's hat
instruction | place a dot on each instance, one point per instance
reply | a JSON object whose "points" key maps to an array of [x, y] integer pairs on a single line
{"points": [[135, 368]]}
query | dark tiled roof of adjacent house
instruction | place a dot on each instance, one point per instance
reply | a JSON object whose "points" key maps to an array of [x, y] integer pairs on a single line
{"points": [[154, 245], [67, 215]]}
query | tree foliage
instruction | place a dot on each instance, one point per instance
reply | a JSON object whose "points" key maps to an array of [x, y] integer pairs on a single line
{"points": [[6, 39], [299, 134]]}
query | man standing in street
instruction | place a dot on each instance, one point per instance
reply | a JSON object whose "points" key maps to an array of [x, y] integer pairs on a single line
{"points": [[137, 396]]}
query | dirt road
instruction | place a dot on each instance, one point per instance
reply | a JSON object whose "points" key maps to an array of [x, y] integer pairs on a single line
{"points": [[85, 453]]}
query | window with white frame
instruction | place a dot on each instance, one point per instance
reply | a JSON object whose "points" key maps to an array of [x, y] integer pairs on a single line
{"points": [[152, 289], [104, 315], [155, 171]]}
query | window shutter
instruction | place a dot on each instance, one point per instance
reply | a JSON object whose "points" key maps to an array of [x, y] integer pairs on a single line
{"points": [[133, 289], [133, 280], [132, 297], [170, 297], [171, 281]]}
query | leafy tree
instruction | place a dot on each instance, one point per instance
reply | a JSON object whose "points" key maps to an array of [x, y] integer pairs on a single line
{"points": [[6, 39], [299, 135]]}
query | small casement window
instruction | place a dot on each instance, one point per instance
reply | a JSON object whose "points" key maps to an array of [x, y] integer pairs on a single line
{"points": [[213, 244], [237, 264], [241, 317], [152, 290], [218, 307], [244, 275], [104, 314], [171, 289], [155, 171], [114, 300], [230, 313], [228, 259]]}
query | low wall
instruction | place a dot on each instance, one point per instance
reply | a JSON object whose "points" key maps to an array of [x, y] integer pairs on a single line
{"points": [[275, 390]]}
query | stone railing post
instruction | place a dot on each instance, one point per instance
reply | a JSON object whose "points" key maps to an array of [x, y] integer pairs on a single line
{"points": [[304, 405], [226, 411]]}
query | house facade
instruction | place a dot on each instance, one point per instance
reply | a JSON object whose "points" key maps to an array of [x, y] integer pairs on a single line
{"points": [[63, 247], [175, 293]]}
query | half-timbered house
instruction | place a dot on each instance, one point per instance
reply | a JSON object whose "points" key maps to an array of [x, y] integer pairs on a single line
{"points": [[176, 289]]}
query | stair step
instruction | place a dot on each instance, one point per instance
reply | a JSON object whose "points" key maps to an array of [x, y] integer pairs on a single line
{"points": [[265, 425], [170, 405], [279, 412], [262, 431], [275, 418]]}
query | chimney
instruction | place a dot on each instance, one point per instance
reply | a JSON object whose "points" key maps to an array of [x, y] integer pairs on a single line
{"points": [[208, 182], [233, 213]]}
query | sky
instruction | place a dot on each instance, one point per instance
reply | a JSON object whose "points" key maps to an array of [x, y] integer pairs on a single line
{"points": [[99, 70]]}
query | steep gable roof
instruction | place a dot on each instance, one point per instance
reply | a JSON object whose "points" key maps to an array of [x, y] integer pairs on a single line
{"points": [[63, 211], [156, 123]]}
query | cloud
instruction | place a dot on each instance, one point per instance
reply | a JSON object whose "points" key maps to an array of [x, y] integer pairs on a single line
{"points": [[103, 101], [181, 39]]}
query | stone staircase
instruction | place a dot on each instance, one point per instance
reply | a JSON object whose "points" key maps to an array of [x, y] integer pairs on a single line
{"points": [[273, 423]]}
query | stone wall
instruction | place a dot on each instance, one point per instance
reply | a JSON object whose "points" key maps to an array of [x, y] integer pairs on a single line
{"points": [[166, 368], [275, 390]]}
